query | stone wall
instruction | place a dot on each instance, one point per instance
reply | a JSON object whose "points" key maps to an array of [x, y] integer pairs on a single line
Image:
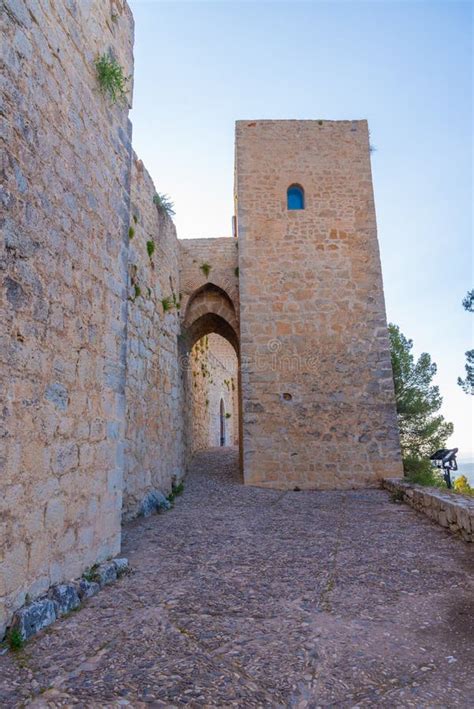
{"points": [[213, 368], [154, 442], [100, 306], [452, 511], [222, 257], [317, 384], [63, 262]]}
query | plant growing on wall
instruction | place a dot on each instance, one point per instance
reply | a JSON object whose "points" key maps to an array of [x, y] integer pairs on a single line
{"points": [[164, 204], [176, 301], [236, 271], [150, 248], [166, 304], [205, 268], [15, 640], [131, 232], [176, 490], [111, 79], [227, 415]]}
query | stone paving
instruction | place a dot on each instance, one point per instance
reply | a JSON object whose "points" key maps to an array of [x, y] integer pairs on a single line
{"points": [[256, 598]]}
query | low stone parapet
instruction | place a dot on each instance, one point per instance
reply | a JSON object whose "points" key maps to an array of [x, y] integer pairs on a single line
{"points": [[453, 511]]}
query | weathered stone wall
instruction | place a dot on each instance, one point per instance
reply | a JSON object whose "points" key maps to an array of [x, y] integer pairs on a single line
{"points": [[226, 363], [100, 306], [317, 383], [63, 261], [154, 440], [222, 257], [213, 368], [452, 511]]}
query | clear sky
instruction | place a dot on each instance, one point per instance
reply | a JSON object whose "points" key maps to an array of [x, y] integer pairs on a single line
{"points": [[405, 66]]}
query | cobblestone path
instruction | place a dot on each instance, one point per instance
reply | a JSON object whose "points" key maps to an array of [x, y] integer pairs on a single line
{"points": [[248, 597]]}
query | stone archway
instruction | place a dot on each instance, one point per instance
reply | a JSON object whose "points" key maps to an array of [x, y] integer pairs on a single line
{"points": [[209, 311]]}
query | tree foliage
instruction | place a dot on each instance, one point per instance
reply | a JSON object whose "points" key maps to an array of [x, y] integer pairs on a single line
{"points": [[467, 384], [422, 428]]}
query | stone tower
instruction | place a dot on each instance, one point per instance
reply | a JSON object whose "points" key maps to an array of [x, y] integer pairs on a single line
{"points": [[317, 390]]}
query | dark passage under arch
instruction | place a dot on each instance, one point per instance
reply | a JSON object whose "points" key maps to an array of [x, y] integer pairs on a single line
{"points": [[222, 421]]}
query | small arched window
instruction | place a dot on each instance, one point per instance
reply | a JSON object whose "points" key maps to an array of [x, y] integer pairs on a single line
{"points": [[295, 197]]}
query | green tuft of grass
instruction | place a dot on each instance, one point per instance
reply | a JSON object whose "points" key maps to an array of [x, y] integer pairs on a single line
{"points": [[15, 640], [111, 79], [164, 204], [205, 268], [227, 415], [131, 232], [135, 218], [150, 248], [91, 574], [138, 290], [176, 490], [166, 304]]}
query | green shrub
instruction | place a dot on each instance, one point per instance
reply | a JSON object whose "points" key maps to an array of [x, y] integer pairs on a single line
{"points": [[420, 471], [164, 204], [92, 574], [461, 486], [176, 490], [150, 248], [111, 78], [166, 304], [15, 640], [205, 268], [131, 232]]}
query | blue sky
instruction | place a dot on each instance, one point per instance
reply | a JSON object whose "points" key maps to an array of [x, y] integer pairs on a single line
{"points": [[405, 66]]}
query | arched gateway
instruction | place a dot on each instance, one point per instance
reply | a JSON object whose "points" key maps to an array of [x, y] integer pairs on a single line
{"points": [[209, 308]]}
